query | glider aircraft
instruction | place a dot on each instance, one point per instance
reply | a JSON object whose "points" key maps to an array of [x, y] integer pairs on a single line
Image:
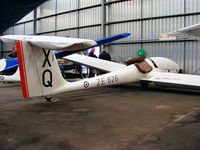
{"points": [[40, 74], [9, 71]]}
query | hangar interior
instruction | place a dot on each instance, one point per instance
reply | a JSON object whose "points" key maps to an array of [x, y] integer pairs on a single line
{"points": [[146, 20], [121, 117]]}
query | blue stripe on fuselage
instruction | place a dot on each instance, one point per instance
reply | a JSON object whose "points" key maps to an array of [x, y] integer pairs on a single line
{"points": [[11, 63]]}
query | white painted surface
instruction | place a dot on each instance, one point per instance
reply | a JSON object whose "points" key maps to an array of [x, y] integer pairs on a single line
{"points": [[2, 64], [50, 42], [101, 64], [192, 32]]}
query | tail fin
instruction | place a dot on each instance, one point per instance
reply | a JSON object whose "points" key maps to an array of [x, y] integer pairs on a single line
{"points": [[39, 70]]}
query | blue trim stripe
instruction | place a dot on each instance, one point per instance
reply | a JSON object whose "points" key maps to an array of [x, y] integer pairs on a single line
{"points": [[11, 63]]}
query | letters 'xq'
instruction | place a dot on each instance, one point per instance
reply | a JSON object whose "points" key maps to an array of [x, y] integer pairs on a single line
{"points": [[47, 74]]}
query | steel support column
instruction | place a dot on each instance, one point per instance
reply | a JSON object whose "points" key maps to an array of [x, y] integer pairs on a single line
{"points": [[78, 18], [35, 21], [103, 19]]}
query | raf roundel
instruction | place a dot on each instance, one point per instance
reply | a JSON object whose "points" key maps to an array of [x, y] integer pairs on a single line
{"points": [[86, 84], [2, 77]]}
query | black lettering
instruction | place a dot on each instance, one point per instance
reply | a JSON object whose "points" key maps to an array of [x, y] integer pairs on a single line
{"points": [[46, 58], [98, 82], [109, 80], [116, 78], [113, 79], [102, 81], [47, 78]]}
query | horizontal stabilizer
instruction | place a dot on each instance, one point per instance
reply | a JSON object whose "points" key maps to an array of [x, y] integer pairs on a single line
{"points": [[50, 42], [104, 65]]}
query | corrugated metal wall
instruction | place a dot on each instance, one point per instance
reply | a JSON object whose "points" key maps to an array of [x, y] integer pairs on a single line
{"points": [[192, 63], [66, 5], [68, 20], [89, 16], [68, 33], [48, 8], [144, 19], [86, 3]]}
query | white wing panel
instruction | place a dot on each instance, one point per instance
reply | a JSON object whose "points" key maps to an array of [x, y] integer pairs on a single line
{"points": [[104, 65], [192, 32], [50, 42], [178, 80]]}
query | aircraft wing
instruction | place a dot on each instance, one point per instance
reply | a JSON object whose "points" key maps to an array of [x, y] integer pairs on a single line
{"points": [[60, 54], [192, 32], [102, 41], [12, 63], [104, 65], [51, 42], [175, 80], [112, 38]]}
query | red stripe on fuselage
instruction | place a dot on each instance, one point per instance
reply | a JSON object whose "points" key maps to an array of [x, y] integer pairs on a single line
{"points": [[22, 69]]}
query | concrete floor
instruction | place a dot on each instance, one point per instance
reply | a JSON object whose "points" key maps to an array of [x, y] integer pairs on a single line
{"points": [[113, 118]]}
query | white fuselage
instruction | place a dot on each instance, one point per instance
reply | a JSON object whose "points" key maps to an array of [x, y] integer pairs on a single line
{"points": [[127, 74], [2, 64], [8, 78], [11, 78]]}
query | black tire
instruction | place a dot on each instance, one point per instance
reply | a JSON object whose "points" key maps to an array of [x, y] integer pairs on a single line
{"points": [[144, 85], [48, 98]]}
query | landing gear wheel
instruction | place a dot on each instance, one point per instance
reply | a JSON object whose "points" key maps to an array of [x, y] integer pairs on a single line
{"points": [[49, 98], [144, 85]]}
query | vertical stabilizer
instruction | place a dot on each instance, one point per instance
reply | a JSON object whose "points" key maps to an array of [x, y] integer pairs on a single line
{"points": [[39, 70]]}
